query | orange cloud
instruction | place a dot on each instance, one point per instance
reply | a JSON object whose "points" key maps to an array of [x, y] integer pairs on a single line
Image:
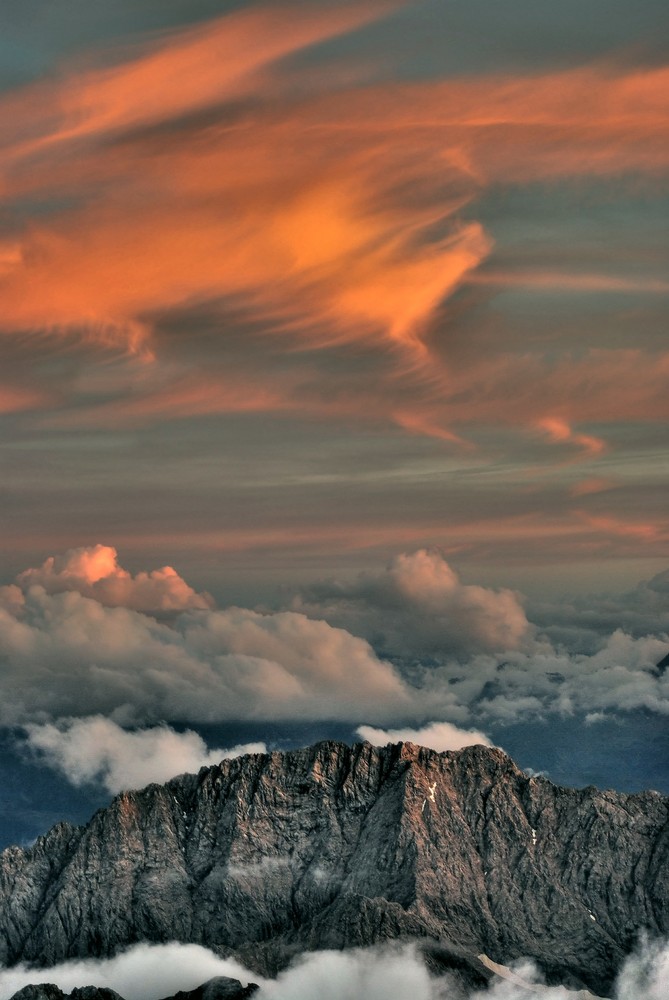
{"points": [[94, 572], [594, 484], [641, 531], [559, 432], [198, 67], [14, 399], [296, 205], [201, 170]]}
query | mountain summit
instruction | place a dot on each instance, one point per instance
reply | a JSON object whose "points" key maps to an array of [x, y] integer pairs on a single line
{"points": [[334, 846]]}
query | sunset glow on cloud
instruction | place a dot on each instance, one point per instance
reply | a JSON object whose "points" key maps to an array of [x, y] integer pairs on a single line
{"points": [[293, 285]]}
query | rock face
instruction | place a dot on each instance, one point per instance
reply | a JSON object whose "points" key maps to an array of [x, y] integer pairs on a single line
{"points": [[335, 846]]}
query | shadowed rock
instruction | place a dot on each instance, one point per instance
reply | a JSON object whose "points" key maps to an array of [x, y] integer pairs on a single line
{"points": [[219, 988]]}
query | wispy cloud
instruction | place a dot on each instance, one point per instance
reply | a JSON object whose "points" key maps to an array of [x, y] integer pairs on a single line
{"points": [[342, 218]]}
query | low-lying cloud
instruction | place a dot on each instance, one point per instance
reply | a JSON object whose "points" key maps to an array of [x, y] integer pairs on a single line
{"points": [[148, 972], [144, 972], [438, 736], [621, 676], [97, 750], [418, 606]]}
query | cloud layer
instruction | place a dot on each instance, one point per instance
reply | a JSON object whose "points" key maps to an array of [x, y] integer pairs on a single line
{"points": [[97, 750], [148, 972], [451, 652], [276, 216]]}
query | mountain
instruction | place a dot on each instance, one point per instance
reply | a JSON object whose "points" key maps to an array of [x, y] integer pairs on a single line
{"points": [[334, 846]]}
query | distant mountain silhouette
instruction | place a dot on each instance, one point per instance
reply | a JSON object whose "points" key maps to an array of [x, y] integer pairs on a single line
{"points": [[663, 664]]}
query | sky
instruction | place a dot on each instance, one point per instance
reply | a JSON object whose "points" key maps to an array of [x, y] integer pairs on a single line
{"points": [[333, 386]]}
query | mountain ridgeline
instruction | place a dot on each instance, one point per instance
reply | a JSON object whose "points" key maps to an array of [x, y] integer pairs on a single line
{"points": [[333, 846]]}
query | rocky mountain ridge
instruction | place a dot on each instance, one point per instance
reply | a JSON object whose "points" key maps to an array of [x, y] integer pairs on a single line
{"points": [[334, 846], [220, 988]]}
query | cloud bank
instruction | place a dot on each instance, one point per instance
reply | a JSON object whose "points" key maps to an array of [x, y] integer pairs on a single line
{"points": [[148, 972], [621, 676], [64, 654], [97, 750], [460, 654], [144, 972]]}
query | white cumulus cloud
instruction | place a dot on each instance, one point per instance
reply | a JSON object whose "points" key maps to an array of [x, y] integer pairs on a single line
{"points": [[438, 736], [375, 974], [98, 750], [65, 654]]}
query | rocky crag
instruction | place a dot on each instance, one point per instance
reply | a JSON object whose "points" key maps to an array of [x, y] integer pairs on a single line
{"points": [[335, 846], [220, 988]]}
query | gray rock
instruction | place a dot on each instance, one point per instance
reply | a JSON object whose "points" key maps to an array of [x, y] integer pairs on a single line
{"points": [[335, 847], [220, 988], [48, 991]]}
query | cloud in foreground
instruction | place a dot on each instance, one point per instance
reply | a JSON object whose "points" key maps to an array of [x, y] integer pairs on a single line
{"points": [[438, 736], [419, 606], [98, 750], [148, 972]]}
